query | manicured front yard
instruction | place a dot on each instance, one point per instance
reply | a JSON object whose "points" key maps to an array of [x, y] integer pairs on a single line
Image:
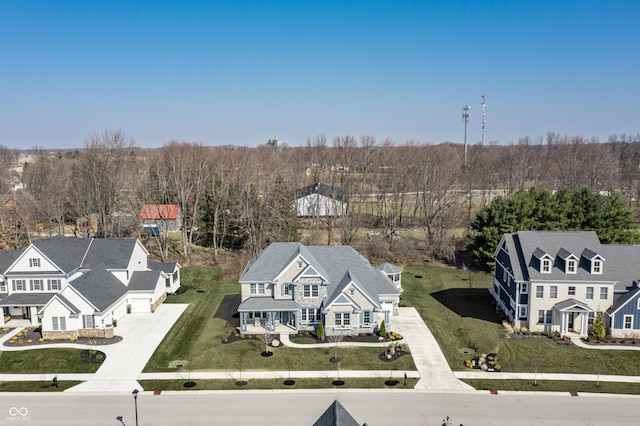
{"points": [[51, 361], [555, 386], [43, 386], [455, 306], [197, 338], [229, 384]]}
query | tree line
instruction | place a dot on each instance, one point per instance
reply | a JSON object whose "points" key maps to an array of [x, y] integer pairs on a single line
{"points": [[239, 198]]}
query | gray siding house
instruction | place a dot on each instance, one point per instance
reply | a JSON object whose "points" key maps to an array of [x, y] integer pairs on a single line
{"points": [[558, 281], [290, 287]]}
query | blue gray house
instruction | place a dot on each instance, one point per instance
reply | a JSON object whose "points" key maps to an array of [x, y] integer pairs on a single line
{"points": [[558, 281]]}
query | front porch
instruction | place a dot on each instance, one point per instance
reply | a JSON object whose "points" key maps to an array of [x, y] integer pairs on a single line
{"points": [[261, 315], [574, 317]]}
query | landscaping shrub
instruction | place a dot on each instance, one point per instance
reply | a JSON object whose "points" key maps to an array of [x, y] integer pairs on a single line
{"points": [[320, 331]]}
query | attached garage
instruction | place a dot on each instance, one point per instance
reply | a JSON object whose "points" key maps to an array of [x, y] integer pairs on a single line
{"points": [[140, 304]]}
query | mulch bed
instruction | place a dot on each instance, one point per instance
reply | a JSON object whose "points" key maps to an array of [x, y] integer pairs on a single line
{"points": [[92, 356], [34, 335], [612, 342], [361, 338], [398, 353]]}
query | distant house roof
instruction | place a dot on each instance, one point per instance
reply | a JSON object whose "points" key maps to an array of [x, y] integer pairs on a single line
{"points": [[388, 268], [322, 189], [166, 267], [336, 415], [159, 211]]}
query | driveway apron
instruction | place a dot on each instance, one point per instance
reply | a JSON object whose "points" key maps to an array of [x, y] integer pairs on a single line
{"points": [[142, 333]]}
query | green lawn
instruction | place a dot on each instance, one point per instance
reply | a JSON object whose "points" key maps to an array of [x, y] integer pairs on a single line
{"points": [[51, 361], [197, 337], [228, 384], [44, 386], [455, 331], [555, 386]]}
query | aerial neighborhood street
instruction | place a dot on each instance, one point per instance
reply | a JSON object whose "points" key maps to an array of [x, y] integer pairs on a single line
{"points": [[335, 213]]}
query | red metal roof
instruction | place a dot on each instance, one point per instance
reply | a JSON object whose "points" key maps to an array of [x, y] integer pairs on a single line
{"points": [[159, 211]]}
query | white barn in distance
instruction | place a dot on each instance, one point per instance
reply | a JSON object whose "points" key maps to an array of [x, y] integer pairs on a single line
{"points": [[320, 200]]}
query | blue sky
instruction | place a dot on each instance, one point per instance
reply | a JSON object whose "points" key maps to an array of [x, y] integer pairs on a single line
{"points": [[239, 72]]}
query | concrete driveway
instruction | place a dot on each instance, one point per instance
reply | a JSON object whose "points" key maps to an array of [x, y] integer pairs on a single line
{"points": [[434, 369], [142, 333]]}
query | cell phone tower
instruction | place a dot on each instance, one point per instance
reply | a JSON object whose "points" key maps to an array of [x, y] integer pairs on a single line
{"points": [[465, 118], [483, 104]]}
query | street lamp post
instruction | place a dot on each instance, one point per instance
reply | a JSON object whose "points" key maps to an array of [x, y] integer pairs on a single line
{"points": [[135, 401]]}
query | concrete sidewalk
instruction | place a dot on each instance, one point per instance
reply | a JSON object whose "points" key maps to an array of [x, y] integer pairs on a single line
{"points": [[303, 374], [284, 338], [545, 376], [126, 360], [576, 340]]}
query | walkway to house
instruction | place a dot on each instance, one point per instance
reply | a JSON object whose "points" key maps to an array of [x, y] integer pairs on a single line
{"points": [[284, 339], [576, 340]]}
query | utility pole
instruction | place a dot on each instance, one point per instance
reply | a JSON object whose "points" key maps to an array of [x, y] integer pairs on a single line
{"points": [[465, 118]]}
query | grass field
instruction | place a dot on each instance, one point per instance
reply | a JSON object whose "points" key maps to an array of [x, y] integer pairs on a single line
{"points": [[455, 305], [197, 337], [43, 386], [51, 360], [229, 384], [555, 386]]}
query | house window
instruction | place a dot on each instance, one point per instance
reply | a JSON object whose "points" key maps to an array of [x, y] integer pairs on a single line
{"points": [[572, 290], [257, 288], [54, 285], [590, 293], [3, 287], [343, 319], [524, 288], [36, 285], [545, 317], [311, 290], [310, 315], [285, 290], [34, 263], [590, 318], [604, 293], [59, 323], [546, 266], [539, 292], [366, 317], [553, 292], [571, 266], [596, 267], [87, 321], [19, 285], [522, 314], [628, 322]]}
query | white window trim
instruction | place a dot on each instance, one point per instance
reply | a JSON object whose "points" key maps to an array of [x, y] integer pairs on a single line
{"points": [[553, 295], [569, 290], [624, 322], [571, 262], [592, 294], [34, 262], [542, 295], [597, 262], [545, 266], [606, 289], [524, 288], [523, 312]]}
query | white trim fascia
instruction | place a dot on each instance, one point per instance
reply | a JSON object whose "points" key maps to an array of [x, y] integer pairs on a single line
{"points": [[22, 255]]}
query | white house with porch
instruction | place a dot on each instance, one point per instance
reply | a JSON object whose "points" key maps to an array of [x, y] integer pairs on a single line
{"points": [[75, 287], [558, 281], [290, 287]]}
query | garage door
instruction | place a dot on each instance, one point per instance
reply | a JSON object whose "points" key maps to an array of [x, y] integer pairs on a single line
{"points": [[140, 305]]}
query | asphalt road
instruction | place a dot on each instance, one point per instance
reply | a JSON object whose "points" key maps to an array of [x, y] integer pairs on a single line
{"points": [[304, 407]]}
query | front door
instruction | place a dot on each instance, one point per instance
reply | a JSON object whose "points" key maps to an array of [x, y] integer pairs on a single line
{"points": [[285, 317], [571, 316]]}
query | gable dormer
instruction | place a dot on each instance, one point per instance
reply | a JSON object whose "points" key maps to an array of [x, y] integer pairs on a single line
{"points": [[545, 261], [570, 260], [594, 261]]}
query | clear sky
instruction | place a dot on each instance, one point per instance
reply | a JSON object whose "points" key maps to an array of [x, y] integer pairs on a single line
{"points": [[240, 72]]}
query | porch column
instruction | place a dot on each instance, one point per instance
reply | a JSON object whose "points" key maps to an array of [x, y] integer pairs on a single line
{"points": [[271, 316], [243, 322], [563, 323], [33, 313], [584, 317], [296, 318], [2, 316]]}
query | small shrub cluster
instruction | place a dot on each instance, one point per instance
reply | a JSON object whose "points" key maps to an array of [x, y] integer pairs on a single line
{"points": [[485, 362]]}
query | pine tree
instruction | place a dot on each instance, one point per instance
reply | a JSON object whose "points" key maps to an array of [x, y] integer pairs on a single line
{"points": [[383, 329], [320, 331], [597, 328]]}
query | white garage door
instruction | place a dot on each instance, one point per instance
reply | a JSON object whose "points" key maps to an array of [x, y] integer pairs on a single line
{"points": [[140, 305]]}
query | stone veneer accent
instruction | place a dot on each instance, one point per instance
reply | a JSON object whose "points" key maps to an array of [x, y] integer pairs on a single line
{"points": [[158, 302], [96, 332], [59, 334]]}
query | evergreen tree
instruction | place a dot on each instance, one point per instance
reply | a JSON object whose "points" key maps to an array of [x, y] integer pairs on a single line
{"points": [[597, 328], [542, 210], [383, 329], [320, 331]]}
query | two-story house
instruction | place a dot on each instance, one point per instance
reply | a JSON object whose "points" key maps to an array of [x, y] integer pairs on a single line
{"points": [[81, 286], [290, 287], [557, 281]]}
